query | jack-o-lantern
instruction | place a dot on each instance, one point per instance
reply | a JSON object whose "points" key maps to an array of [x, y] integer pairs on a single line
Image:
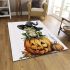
{"points": [[37, 46]]}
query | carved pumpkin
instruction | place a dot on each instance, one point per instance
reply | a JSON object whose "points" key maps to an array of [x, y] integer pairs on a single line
{"points": [[37, 46], [57, 47]]}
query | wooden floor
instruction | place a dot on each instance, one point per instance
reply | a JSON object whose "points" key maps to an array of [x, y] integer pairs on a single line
{"points": [[57, 61]]}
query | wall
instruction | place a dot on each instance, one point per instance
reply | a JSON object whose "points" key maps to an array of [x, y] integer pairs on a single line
{"points": [[13, 5]]}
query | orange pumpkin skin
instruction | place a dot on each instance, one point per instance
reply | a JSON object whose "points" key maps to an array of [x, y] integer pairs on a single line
{"points": [[57, 47], [37, 46]]}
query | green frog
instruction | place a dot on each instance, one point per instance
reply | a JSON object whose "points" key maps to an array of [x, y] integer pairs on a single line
{"points": [[32, 31]]}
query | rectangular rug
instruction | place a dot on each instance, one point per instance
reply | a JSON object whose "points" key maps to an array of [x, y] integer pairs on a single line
{"points": [[31, 39]]}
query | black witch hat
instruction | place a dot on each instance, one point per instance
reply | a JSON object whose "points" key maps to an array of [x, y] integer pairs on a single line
{"points": [[30, 24]]}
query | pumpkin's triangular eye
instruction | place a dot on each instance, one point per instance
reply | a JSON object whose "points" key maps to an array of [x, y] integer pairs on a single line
{"points": [[32, 43], [42, 43]]}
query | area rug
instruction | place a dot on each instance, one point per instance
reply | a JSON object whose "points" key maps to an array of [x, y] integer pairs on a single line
{"points": [[32, 39]]}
